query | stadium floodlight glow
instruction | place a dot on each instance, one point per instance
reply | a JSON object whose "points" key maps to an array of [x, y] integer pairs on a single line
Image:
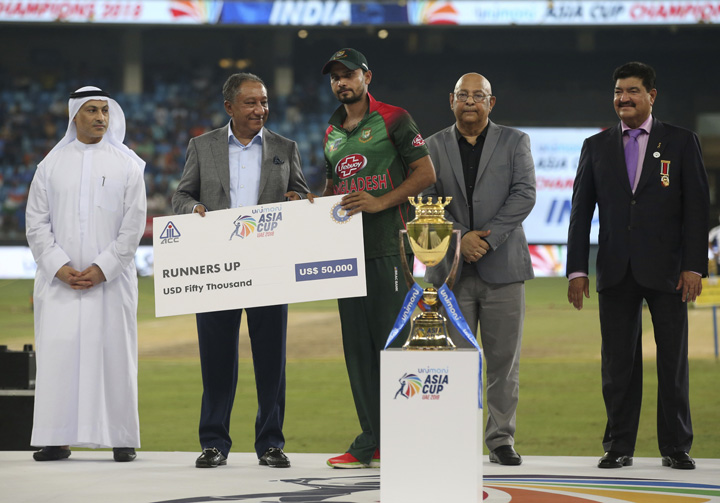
{"points": [[302, 34], [383, 34], [225, 63], [242, 64]]}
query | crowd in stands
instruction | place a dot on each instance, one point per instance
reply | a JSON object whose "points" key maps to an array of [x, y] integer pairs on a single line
{"points": [[160, 122]]}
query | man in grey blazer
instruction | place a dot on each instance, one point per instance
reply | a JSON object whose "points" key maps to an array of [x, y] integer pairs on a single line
{"points": [[489, 172], [241, 164]]}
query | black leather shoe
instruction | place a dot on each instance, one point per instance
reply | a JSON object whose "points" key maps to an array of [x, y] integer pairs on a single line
{"points": [[613, 459], [505, 455], [210, 458], [123, 454], [679, 460], [51, 453], [274, 457]]}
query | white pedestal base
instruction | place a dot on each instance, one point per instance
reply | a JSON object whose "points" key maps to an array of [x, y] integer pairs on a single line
{"points": [[430, 426]]}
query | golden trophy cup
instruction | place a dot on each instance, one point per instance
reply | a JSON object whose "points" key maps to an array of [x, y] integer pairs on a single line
{"points": [[429, 235]]}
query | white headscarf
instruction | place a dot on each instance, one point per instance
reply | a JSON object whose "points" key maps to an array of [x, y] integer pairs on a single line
{"points": [[115, 133]]}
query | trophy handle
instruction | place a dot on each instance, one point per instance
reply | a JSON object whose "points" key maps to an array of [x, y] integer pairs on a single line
{"points": [[407, 272], [450, 281]]}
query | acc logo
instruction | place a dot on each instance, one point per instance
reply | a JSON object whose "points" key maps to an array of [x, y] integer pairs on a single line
{"points": [[349, 165], [170, 234], [418, 141], [339, 214], [244, 226], [410, 385]]}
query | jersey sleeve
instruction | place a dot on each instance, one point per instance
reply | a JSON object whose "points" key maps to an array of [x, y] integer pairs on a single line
{"points": [[406, 136]]}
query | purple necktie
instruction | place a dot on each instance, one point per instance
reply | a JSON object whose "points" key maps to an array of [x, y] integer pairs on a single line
{"points": [[632, 150]]}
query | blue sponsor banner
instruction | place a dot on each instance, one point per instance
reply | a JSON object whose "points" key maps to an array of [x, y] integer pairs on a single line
{"points": [[313, 13], [310, 271], [378, 13], [246, 13]]}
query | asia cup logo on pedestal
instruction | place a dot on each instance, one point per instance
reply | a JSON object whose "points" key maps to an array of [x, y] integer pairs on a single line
{"points": [[410, 385], [350, 164], [428, 386]]}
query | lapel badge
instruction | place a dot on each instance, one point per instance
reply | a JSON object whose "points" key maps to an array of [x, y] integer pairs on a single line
{"points": [[366, 135], [665, 173], [656, 155]]}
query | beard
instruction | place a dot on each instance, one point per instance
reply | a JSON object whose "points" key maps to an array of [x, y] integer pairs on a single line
{"points": [[349, 100]]}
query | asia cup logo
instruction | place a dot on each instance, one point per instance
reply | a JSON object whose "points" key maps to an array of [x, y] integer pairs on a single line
{"points": [[410, 385], [350, 164], [418, 141], [244, 226]]}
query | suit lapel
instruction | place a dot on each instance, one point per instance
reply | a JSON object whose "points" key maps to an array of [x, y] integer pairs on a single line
{"points": [[450, 143], [266, 163], [491, 141], [221, 158], [651, 164], [616, 152]]}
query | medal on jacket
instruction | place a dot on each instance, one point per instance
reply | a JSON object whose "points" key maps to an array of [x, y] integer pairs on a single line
{"points": [[665, 173]]}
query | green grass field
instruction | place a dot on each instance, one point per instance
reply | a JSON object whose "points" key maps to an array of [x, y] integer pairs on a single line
{"points": [[560, 413]]}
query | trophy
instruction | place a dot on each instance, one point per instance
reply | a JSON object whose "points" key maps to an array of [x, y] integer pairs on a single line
{"points": [[429, 235]]}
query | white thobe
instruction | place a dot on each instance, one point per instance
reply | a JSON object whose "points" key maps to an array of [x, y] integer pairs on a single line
{"points": [[86, 206]]}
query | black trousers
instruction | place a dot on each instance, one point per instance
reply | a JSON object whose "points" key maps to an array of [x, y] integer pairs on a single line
{"points": [[218, 334], [621, 328]]}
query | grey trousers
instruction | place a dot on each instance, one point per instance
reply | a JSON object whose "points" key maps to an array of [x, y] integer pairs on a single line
{"points": [[499, 311]]}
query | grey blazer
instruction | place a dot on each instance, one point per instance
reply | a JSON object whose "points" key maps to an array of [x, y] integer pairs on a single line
{"points": [[504, 195], [206, 177]]}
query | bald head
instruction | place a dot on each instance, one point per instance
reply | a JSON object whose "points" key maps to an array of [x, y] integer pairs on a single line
{"points": [[474, 80], [471, 102]]}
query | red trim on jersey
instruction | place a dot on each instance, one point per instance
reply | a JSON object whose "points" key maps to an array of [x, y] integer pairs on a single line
{"points": [[327, 133], [389, 113]]}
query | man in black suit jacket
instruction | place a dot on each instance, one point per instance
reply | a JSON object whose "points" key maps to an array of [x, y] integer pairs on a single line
{"points": [[652, 246]]}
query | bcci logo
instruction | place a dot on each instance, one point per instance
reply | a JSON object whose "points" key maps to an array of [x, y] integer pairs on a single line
{"points": [[244, 226], [339, 214], [170, 234]]}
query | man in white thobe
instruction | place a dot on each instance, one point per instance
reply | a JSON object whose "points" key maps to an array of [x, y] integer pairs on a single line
{"points": [[85, 218]]}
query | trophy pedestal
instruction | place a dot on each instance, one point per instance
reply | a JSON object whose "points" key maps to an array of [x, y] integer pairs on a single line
{"points": [[431, 445]]}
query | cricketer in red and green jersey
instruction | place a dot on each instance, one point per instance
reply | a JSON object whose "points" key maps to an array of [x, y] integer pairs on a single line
{"points": [[374, 157]]}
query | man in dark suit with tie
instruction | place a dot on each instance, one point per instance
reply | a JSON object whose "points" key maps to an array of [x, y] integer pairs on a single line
{"points": [[489, 172], [241, 164], [648, 180]]}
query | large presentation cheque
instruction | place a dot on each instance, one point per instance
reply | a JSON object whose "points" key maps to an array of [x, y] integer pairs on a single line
{"points": [[253, 256]]}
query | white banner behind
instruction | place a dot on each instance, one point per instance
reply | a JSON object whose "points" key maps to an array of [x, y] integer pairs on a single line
{"points": [[556, 152]]}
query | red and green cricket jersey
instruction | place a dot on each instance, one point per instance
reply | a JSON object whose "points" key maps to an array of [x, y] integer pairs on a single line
{"points": [[374, 157]]}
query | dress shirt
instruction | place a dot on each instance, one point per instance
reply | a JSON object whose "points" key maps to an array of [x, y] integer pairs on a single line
{"points": [[245, 163], [470, 157], [642, 140]]}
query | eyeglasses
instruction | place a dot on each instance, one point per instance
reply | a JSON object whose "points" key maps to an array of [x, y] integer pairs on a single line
{"points": [[477, 97]]}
